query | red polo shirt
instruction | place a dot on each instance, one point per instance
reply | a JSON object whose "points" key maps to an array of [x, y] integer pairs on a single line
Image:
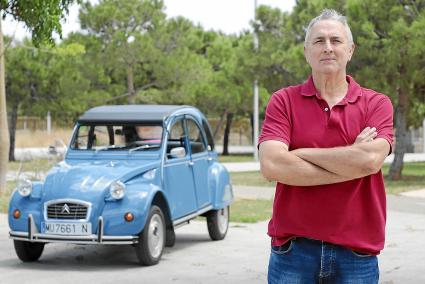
{"points": [[351, 213]]}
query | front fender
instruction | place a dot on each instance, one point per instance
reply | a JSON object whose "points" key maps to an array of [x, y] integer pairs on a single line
{"points": [[27, 205], [137, 200], [220, 186]]}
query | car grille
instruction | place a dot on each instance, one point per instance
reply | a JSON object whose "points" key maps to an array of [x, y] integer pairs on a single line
{"points": [[67, 211]]}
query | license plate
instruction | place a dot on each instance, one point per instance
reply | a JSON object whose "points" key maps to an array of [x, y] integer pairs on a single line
{"points": [[73, 229]]}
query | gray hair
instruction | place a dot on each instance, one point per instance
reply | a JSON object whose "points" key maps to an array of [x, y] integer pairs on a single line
{"points": [[329, 14]]}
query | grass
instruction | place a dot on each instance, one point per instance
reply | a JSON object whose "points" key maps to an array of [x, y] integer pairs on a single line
{"points": [[37, 165], [250, 179], [4, 199], [250, 211], [413, 178], [39, 138], [235, 158]]}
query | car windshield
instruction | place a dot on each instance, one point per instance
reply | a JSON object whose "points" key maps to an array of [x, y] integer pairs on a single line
{"points": [[113, 137]]}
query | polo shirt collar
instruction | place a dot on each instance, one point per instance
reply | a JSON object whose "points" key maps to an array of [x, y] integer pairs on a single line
{"points": [[354, 90]]}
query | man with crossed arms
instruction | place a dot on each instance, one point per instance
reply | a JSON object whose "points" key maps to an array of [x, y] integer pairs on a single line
{"points": [[324, 143]]}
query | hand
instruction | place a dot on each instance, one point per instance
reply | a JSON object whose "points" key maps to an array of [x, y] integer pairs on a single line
{"points": [[367, 135]]}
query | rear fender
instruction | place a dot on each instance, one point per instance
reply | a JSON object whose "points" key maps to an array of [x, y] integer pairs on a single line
{"points": [[220, 186]]}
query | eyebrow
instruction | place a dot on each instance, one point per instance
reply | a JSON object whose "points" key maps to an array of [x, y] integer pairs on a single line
{"points": [[323, 37]]}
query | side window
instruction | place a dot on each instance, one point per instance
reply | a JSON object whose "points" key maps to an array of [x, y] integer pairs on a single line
{"points": [[207, 130], [176, 137], [195, 137], [82, 138]]}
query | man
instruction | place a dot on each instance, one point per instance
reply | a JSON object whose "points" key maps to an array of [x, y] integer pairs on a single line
{"points": [[324, 143]]}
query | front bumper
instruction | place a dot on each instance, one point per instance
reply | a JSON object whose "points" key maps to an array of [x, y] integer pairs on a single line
{"points": [[34, 236]]}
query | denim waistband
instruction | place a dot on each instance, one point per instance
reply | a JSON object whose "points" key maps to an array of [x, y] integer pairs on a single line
{"points": [[313, 241]]}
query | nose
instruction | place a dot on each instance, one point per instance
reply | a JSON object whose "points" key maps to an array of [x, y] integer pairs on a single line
{"points": [[328, 47]]}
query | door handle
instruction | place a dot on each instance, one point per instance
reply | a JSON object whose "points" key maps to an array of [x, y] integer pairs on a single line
{"points": [[190, 163]]}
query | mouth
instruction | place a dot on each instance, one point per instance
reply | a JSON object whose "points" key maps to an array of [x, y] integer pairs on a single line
{"points": [[327, 59]]}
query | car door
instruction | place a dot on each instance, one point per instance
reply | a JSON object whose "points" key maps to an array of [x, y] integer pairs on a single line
{"points": [[178, 177], [200, 162]]}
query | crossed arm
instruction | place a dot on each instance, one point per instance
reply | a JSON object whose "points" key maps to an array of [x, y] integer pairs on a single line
{"points": [[316, 166]]}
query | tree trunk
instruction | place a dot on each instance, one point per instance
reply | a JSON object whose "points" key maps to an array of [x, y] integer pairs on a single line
{"points": [[229, 118], [130, 85], [219, 125], [396, 168], [4, 135], [12, 131]]}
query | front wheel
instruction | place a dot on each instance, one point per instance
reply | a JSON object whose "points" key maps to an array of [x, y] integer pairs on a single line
{"points": [[152, 239], [218, 223], [28, 251]]}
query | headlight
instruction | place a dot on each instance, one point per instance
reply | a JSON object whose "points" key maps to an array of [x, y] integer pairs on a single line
{"points": [[117, 190], [24, 187]]}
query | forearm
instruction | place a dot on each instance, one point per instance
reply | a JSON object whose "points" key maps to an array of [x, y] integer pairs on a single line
{"points": [[352, 161], [287, 168]]}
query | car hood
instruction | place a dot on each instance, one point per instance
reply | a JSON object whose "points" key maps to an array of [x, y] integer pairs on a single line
{"points": [[90, 181]]}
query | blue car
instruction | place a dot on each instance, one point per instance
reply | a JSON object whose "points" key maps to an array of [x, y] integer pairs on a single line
{"points": [[131, 175]]}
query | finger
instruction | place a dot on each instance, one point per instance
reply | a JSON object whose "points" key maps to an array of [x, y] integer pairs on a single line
{"points": [[371, 137], [371, 130], [365, 130], [371, 134], [363, 133]]}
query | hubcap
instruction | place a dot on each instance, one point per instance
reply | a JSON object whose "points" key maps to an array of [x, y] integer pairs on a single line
{"points": [[156, 235], [223, 219]]}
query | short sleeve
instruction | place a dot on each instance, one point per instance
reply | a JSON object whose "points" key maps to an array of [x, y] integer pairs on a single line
{"points": [[381, 117], [277, 122]]}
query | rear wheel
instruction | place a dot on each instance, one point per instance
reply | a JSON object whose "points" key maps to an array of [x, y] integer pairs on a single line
{"points": [[170, 237], [152, 239], [28, 251], [218, 223]]}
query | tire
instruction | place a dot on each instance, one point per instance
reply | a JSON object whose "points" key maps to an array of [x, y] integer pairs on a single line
{"points": [[28, 251], [151, 243], [218, 223], [170, 237]]}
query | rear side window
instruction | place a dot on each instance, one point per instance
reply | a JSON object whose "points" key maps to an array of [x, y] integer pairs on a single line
{"points": [[195, 137], [210, 139]]}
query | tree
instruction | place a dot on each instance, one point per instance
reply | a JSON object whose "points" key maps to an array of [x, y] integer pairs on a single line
{"points": [[23, 79], [124, 28], [42, 18], [232, 80], [391, 58]]}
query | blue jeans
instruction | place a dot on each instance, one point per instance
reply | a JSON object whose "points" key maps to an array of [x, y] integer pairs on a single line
{"points": [[310, 261]]}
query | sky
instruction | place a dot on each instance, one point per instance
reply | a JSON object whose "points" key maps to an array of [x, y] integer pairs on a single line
{"points": [[228, 16]]}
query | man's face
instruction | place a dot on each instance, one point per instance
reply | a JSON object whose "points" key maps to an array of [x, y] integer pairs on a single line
{"points": [[149, 132], [327, 49]]}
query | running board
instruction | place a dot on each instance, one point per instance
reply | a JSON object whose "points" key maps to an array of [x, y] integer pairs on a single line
{"points": [[185, 220]]}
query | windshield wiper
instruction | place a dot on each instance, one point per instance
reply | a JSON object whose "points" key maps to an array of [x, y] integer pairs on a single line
{"points": [[144, 147]]}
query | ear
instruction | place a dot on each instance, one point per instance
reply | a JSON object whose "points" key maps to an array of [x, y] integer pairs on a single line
{"points": [[352, 47], [305, 55]]}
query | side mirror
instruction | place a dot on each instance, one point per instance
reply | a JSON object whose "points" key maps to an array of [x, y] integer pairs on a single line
{"points": [[178, 152], [52, 150], [58, 149]]}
